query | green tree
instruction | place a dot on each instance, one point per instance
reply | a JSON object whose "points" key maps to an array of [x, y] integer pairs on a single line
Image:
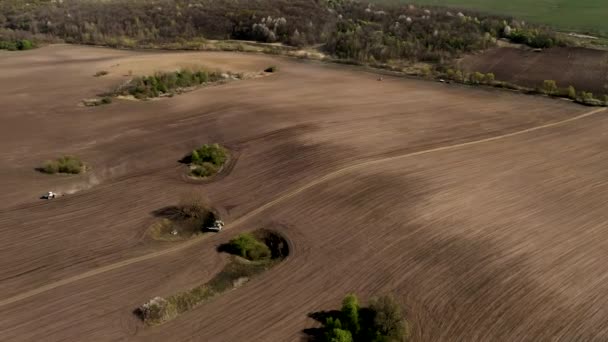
{"points": [[459, 76], [196, 158], [490, 78], [586, 95], [339, 335], [388, 319], [571, 92], [248, 247], [477, 78], [335, 333], [333, 323], [350, 313], [24, 44], [549, 87]]}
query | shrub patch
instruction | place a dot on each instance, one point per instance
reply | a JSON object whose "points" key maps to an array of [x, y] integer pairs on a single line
{"points": [[235, 274], [65, 164], [171, 83], [206, 160]]}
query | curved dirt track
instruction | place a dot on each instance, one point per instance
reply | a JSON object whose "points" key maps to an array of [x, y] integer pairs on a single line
{"points": [[480, 241], [281, 198]]}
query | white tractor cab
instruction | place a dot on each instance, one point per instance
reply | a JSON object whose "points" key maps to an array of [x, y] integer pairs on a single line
{"points": [[217, 226], [49, 195]]}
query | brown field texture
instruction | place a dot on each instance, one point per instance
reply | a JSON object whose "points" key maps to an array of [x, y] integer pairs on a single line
{"points": [[483, 211], [584, 69]]}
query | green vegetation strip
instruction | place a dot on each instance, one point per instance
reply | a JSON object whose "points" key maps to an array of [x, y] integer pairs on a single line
{"points": [[16, 45], [65, 164], [548, 87], [235, 274], [171, 83], [254, 254]]}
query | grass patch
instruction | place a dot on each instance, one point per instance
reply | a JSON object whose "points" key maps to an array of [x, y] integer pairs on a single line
{"points": [[235, 274], [171, 83], [65, 164], [206, 160]]}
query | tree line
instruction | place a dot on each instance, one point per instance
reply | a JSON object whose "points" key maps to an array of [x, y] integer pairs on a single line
{"points": [[346, 29]]}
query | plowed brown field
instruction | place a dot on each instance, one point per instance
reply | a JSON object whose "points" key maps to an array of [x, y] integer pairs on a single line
{"points": [[584, 69], [483, 211]]}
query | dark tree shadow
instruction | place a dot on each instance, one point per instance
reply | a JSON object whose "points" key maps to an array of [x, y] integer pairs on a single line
{"points": [[187, 159], [138, 313], [172, 212], [278, 245], [322, 316], [276, 242], [317, 334], [227, 248]]}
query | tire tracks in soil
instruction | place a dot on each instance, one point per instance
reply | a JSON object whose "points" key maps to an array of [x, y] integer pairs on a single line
{"points": [[284, 197]]}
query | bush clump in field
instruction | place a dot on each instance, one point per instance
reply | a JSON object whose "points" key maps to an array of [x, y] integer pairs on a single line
{"points": [[65, 164], [204, 170], [157, 310], [207, 160], [247, 246], [549, 87], [470, 78], [169, 83], [236, 273], [233, 275], [382, 320], [16, 45], [536, 38], [588, 99], [101, 73], [572, 93]]}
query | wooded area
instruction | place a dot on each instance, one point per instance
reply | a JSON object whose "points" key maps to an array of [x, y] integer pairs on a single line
{"points": [[346, 29]]}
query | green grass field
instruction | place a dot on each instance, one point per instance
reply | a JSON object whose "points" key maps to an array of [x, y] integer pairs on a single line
{"points": [[584, 16]]}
